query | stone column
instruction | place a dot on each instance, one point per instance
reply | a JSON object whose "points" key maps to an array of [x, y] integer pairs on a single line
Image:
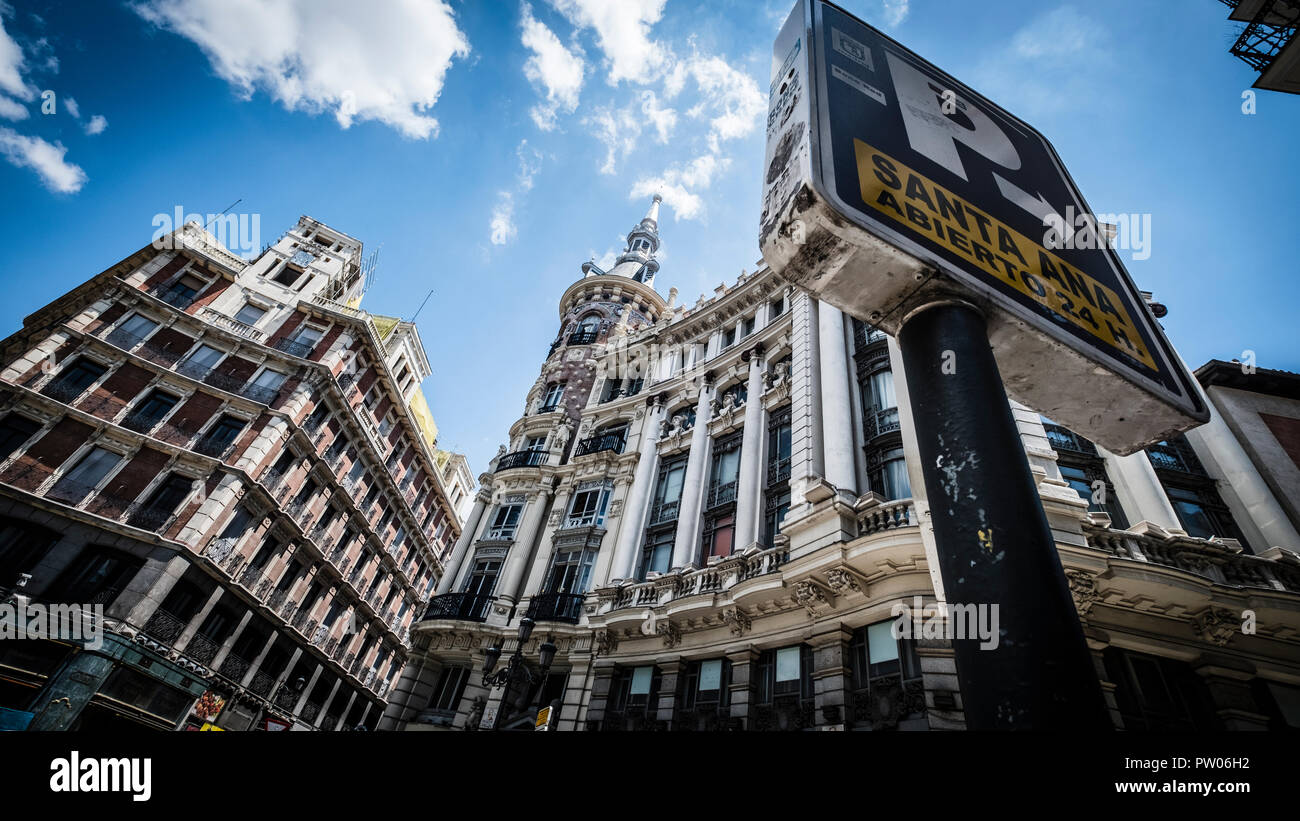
{"points": [[670, 669], [458, 553], [831, 675], [742, 683], [1140, 492], [230, 640], [685, 545], [324, 708], [1228, 682], [306, 691], [837, 402], [196, 621], [158, 591], [750, 482], [638, 498], [521, 550]]}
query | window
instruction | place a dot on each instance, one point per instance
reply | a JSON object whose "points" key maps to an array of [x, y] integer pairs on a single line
{"points": [[703, 695], [728, 339], [877, 653], [775, 308], [287, 275], [269, 379], [250, 314], [86, 475], [1082, 479], [724, 471], [535, 443], [668, 491], [14, 431], [22, 545], [183, 290], [73, 380], [98, 574], [657, 555], [1160, 694], [220, 436], [136, 327], [505, 521], [483, 577], [784, 673], [777, 505], [451, 686], [168, 496], [719, 535], [746, 327], [1192, 512], [554, 392], [202, 359], [307, 337], [633, 699], [386, 424], [778, 447], [149, 412], [570, 571], [889, 477], [588, 508]]}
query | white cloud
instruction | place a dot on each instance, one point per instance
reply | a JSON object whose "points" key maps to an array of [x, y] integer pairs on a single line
{"points": [[44, 158], [663, 119], [503, 219], [623, 32], [502, 222], [11, 67], [895, 12], [12, 110], [384, 61], [731, 97], [679, 185], [618, 130], [96, 125], [552, 68], [1056, 34], [72, 107]]}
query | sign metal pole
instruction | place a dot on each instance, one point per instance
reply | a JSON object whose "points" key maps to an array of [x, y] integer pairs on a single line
{"points": [[994, 543]]}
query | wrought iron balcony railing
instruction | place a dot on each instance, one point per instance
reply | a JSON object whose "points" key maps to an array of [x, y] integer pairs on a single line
{"points": [[878, 422], [583, 337], [561, 607], [1067, 440], [522, 459], [293, 347], [596, 444], [459, 606]]}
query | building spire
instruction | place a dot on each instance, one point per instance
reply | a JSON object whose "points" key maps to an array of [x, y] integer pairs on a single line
{"points": [[638, 259]]}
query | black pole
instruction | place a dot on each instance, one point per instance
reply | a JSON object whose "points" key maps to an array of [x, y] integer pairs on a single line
{"points": [[993, 540]]}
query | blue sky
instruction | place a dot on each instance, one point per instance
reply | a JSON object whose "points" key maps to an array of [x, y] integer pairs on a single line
{"points": [[490, 148]]}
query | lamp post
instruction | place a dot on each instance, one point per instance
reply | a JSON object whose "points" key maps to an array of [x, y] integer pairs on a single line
{"points": [[516, 669]]}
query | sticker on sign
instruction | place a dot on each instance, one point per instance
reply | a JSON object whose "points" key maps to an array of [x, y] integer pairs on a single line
{"points": [[889, 184]]}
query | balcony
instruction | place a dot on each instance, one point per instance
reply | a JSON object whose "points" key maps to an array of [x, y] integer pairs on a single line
{"points": [[561, 607], [522, 459], [715, 578], [596, 444], [720, 493], [878, 422], [459, 607], [583, 337], [233, 325], [778, 470], [1170, 456], [293, 347], [1066, 440], [664, 512]]}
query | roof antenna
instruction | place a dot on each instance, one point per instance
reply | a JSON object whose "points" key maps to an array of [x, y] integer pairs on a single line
{"points": [[223, 213], [421, 308]]}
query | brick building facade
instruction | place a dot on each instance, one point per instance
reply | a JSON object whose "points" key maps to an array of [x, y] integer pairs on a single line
{"points": [[225, 455]]}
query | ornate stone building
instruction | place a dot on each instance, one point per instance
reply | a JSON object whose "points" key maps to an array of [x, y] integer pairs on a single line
{"points": [[237, 464], [705, 518]]}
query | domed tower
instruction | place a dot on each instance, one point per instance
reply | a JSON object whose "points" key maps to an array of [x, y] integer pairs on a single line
{"points": [[595, 311]]}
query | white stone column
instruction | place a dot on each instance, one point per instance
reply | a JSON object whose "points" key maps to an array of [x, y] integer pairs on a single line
{"points": [[806, 463], [1264, 523], [688, 514], [522, 549], [749, 487], [638, 499], [458, 553], [1140, 492], [837, 402]]}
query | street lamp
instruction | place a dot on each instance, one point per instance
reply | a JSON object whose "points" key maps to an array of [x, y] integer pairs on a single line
{"points": [[516, 669]]}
